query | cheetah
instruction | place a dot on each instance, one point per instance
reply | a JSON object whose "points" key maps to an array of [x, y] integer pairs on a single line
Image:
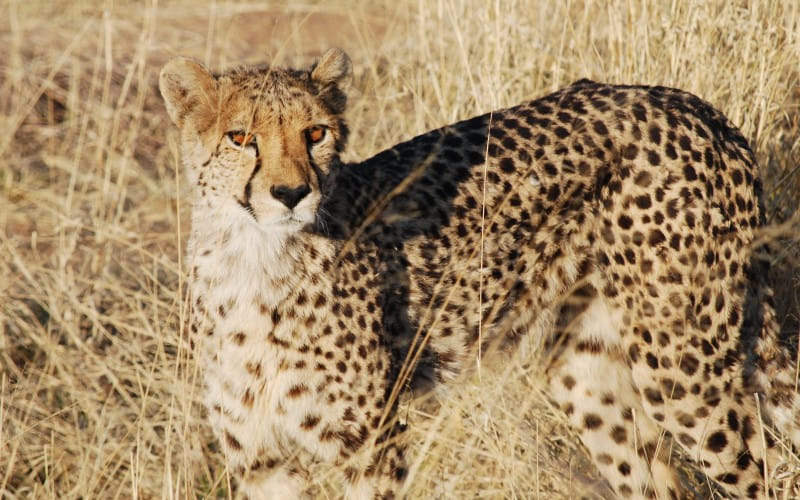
{"points": [[619, 224]]}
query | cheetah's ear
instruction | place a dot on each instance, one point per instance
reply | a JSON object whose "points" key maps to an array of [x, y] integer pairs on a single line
{"points": [[185, 85], [333, 68], [331, 73]]}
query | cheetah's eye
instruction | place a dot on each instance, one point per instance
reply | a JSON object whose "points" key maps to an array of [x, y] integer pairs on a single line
{"points": [[241, 138], [315, 134]]}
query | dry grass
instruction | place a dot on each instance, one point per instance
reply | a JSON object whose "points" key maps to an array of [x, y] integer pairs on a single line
{"points": [[98, 397]]}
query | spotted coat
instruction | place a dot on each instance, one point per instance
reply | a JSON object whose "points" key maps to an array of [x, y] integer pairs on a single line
{"points": [[617, 224]]}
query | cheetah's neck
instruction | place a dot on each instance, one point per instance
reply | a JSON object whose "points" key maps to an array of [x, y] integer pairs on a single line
{"points": [[244, 263]]}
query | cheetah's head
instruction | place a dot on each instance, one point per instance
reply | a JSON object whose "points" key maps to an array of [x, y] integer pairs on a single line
{"points": [[258, 142]]}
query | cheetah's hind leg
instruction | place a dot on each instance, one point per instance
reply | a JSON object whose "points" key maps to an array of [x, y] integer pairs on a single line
{"points": [[591, 381]]}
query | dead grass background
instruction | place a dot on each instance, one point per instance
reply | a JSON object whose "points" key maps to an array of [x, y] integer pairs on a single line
{"points": [[98, 397]]}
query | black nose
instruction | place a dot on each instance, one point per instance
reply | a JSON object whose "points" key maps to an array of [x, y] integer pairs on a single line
{"points": [[290, 196]]}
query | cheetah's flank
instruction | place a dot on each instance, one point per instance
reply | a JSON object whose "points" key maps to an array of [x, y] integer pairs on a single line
{"points": [[616, 223]]}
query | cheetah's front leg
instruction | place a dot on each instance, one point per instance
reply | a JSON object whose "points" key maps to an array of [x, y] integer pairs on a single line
{"points": [[383, 477], [380, 478], [270, 480]]}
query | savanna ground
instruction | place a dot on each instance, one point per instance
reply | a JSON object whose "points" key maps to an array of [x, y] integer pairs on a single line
{"points": [[98, 394]]}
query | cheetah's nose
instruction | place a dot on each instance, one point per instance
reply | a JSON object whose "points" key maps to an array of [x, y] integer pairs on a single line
{"points": [[290, 196]]}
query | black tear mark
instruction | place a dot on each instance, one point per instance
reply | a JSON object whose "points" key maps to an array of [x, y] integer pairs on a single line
{"points": [[248, 189]]}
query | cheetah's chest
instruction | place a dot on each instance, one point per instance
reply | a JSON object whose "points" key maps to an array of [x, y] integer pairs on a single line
{"points": [[257, 349], [246, 372]]}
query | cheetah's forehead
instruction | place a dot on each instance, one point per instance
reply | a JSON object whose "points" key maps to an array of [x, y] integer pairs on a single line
{"points": [[271, 95]]}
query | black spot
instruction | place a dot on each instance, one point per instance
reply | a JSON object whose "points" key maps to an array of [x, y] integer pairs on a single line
{"points": [[733, 320], [671, 152], [452, 155], [633, 352], [348, 311], [619, 434], [297, 391], [690, 220], [704, 322], [507, 165], [232, 442], [672, 120], [600, 127], [644, 201], [744, 460], [476, 139], [653, 396], [592, 421], [452, 141], [564, 117], [717, 442], [673, 389], [630, 152], [655, 134], [561, 132], [639, 112], [686, 439], [643, 179], [239, 338], [653, 158], [708, 158], [656, 237], [553, 193], [747, 428], [497, 131], [310, 422], [728, 478], [736, 176]]}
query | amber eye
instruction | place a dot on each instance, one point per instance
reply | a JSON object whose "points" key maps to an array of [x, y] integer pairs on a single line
{"points": [[315, 134], [241, 139]]}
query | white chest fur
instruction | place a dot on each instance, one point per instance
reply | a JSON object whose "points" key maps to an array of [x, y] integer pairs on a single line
{"points": [[241, 281]]}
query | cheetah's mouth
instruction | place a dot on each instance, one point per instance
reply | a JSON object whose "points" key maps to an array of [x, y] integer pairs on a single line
{"points": [[290, 219], [247, 207], [294, 219]]}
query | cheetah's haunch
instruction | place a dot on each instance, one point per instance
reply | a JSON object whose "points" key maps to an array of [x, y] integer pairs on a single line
{"points": [[628, 213]]}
